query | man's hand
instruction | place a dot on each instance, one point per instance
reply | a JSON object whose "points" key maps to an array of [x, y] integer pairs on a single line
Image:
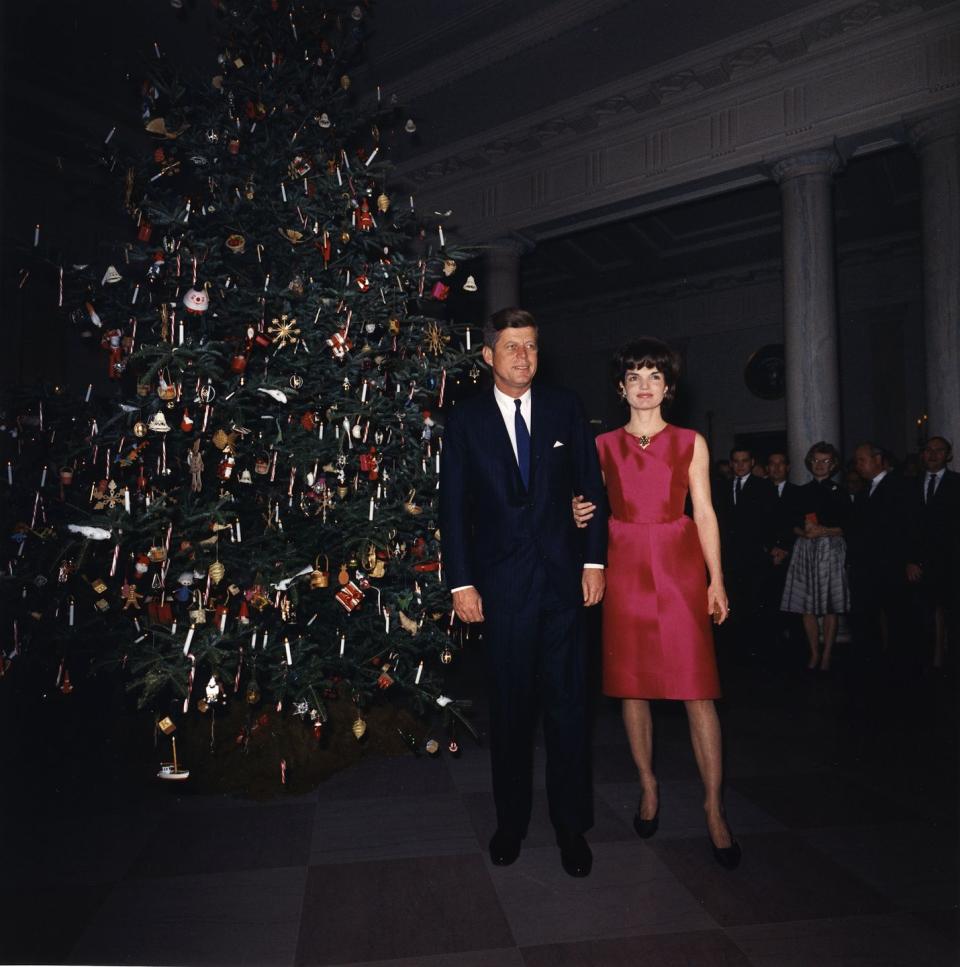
{"points": [[468, 604], [594, 583], [582, 510]]}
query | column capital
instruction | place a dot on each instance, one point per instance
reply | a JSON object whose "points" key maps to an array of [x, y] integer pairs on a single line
{"points": [[824, 161], [515, 245], [924, 131]]}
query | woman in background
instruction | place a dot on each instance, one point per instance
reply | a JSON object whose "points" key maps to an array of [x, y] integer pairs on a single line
{"points": [[816, 583]]}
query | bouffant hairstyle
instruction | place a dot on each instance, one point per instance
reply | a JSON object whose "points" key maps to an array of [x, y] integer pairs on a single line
{"points": [[648, 353], [509, 318], [828, 449]]}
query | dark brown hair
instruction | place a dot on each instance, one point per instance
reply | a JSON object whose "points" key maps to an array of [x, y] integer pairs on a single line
{"points": [[823, 447], [509, 318], [648, 352]]}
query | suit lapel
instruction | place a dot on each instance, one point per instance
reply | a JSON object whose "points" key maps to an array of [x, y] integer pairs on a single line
{"points": [[540, 434], [496, 432]]}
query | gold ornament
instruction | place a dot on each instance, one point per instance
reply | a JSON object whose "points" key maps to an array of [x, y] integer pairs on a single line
{"points": [[140, 429], [252, 693], [446, 656], [383, 203], [216, 572], [320, 578], [435, 339], [106, 496], [284, 330], [359, 728]]}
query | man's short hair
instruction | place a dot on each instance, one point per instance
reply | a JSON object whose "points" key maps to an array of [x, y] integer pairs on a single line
{"points": [[745, 450], [508, 318]]}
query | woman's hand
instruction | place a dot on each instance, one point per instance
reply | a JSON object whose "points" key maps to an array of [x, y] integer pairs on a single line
{"points": [[717, 603], [582, 510]]}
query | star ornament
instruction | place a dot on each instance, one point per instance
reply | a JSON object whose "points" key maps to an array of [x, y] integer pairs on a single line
{"points": [[435, 339], [284, 331]]}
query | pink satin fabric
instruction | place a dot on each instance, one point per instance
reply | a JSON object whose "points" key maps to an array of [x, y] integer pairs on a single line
{"points": [[657, 636]]}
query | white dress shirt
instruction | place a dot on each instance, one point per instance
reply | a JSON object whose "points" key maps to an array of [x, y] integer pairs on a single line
{"points": [[938, 476], [508, 410], [876, 482]]}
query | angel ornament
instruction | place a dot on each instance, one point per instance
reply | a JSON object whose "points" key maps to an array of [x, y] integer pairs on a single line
{"points": [[195, 463]]}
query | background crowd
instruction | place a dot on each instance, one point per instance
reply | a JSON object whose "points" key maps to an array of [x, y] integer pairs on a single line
{"points": [[867, 552]]}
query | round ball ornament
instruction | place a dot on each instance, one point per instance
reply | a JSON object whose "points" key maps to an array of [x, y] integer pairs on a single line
{"points": [[196, 301], [140, 429]]}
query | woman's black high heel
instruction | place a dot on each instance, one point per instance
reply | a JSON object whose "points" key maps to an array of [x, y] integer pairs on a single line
{"points": [[645, 828], [728, 856]]}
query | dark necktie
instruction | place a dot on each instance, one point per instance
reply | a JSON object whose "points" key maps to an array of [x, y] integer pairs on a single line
{"points": [[931, 486], [737, 487], [523, 445]]}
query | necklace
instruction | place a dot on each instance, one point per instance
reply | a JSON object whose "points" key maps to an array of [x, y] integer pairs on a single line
{"points": [[643, 440]]}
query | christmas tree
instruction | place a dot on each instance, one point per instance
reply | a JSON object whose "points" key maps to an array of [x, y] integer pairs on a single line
{"points": [[249, 508]]}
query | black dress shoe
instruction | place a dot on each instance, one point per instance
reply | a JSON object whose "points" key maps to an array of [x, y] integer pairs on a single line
{"points": [[728, 856], [575, 854], [646, 827], [504, 847]]}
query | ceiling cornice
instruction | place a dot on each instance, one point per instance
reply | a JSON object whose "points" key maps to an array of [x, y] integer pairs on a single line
{"points": [[491, 48], [747, 55]]}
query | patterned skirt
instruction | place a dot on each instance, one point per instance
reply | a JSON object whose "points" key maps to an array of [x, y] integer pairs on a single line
{"points": [[816, 581]]}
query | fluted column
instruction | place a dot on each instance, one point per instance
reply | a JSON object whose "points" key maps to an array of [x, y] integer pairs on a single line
{"points": [[936, 140], [502, 257], [809, 303]]}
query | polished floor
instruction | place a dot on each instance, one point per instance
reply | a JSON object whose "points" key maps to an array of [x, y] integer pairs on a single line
{"points": [[848, 828]]}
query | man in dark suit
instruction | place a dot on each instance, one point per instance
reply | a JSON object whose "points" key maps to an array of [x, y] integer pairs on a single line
{"points": [[513, 457], [783, 519], [875, 555], [745, 510], [933, 514]]}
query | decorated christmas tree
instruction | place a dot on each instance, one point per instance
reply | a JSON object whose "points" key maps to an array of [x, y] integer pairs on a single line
{"points": [[246, 510]]}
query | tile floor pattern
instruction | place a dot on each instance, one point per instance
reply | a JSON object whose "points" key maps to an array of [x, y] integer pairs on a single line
{"points": [[849, 841]]}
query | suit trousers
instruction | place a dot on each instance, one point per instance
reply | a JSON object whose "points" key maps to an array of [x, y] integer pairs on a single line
{"points": [[535, 659]]}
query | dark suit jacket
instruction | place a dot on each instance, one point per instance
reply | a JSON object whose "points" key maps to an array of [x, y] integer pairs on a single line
{"points": [[784, 513], [876, 538], [746, 528], [491, 528], [934, 528]]}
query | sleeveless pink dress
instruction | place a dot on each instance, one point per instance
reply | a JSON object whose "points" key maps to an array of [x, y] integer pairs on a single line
{"points": [[657, 635]]}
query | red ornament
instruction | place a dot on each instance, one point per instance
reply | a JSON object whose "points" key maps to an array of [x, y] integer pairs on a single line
{"points": [[238, 363], [111, 341], [309, 420], [340, 344], [350, 596], [144, 231], [364, 217], [440, 291]]}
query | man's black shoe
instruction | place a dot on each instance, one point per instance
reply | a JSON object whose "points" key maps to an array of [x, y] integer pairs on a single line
{"points": [[504, 847], [575, 854]]}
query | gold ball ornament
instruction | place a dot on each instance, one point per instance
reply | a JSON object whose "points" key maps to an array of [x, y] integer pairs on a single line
{"points": [[140, 429], [446, 656]]}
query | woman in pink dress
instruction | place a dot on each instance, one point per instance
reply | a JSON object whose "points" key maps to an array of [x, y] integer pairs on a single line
{"points": [[657, 639]]}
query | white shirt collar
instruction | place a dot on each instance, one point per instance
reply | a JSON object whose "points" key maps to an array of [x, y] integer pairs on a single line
{"points": [[939, 474], [876, 480], [508, 410]]}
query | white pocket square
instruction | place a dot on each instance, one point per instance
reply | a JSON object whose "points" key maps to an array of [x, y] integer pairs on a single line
{"points": [[559, 443]]}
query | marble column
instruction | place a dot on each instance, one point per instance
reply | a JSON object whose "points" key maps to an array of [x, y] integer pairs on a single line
{"points": [[502, 273], [937, 142], [809, 303]]}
